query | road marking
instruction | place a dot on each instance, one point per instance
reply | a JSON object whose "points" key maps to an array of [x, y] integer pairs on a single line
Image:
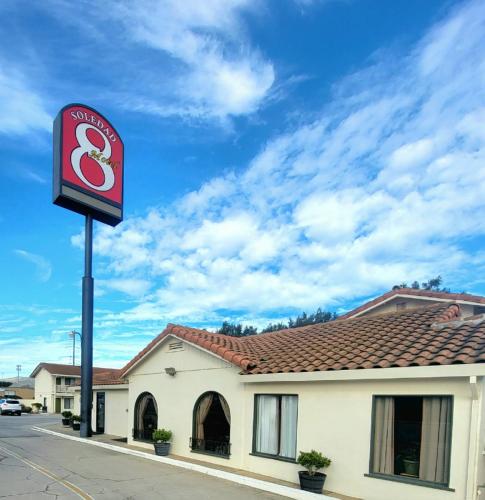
{"points": [[259, 484], [72, 487]]}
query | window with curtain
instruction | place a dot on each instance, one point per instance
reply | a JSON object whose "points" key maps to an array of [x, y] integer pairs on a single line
{"points": [[275, 425], [412, 437], [68, 403]]}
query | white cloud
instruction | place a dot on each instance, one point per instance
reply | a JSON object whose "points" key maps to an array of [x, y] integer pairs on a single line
{"points": [[132, 287], [22, 108], [387, 185], [222, 76], [42, 265]]}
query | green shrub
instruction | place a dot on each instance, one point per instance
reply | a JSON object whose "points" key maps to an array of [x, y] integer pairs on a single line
{"points": [[161, 435], [76, 418], [67, 414], [313, 461]]}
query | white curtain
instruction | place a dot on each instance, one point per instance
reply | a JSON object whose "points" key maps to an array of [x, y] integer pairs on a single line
{"points": [[435, 439], [267, 424], [225, 409], [289, 408], [201, 414], [141, 408], [383, 459]]}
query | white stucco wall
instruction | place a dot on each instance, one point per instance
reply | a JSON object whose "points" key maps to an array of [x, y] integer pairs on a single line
{"points": [[333, 417], [413, 303], [45, 386], [115, 411], [197, 372]]}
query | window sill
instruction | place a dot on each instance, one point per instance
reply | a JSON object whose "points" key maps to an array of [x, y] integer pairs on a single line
{"points": [[201, 452], [273, 457], [409, 480]]}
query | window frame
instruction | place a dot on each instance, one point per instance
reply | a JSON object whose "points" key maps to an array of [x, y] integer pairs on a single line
{"points": [[404, 479], [256, 453], [194, 411]]}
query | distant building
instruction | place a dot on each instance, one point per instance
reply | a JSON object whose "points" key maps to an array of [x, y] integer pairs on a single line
{"points": [[54, 383], [24, 394]]}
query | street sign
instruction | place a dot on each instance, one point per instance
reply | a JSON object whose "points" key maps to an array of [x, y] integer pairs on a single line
{"points": [[88, 164], [88, 179]]}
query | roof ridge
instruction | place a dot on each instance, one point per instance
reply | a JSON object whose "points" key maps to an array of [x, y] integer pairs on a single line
{"points": [[451, 296]]}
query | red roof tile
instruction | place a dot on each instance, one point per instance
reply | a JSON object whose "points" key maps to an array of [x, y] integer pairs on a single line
{"points": [[465, 297], [67, 370], [415, 337]]}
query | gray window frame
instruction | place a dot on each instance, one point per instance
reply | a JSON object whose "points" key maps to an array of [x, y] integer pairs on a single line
{"points": [[404, 479], [256, 453]]}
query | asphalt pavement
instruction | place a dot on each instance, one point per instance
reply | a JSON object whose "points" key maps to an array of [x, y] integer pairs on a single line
{"points": [[37, 466]]}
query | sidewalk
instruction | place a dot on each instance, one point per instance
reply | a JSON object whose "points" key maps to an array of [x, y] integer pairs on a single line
{"points": [[258, 481]]}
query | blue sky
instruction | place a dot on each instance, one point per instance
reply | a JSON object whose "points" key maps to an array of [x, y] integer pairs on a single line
{"points": [[279, 156]]}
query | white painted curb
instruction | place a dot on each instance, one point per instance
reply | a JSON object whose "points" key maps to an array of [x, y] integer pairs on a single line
{"points": [[277, 489]]}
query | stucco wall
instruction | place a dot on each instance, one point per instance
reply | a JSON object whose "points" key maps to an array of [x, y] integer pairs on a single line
{"points": [[413, 303], [333, 417], [197, 372], [116, 411], [45, 388]]}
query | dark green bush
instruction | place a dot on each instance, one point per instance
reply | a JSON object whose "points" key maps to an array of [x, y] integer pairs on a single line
{"points": [[313, 461], [161, 435]]}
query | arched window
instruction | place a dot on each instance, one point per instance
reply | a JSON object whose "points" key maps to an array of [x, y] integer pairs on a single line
{"points": [[146, 418], [211, 427]]}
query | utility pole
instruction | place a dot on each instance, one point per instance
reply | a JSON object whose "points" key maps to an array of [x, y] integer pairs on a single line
{"points": [[19, 368]]}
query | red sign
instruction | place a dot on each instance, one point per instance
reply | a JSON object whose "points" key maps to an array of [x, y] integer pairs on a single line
{"points": [[88, 164]]}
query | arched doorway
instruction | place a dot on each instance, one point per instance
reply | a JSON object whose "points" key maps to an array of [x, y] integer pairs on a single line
{"points": [[146, 417], [211, 429]]}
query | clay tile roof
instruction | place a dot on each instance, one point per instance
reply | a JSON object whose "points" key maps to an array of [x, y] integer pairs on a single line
{"points": [[66, 370], [426, 336], [109, 377], [460, 297]]}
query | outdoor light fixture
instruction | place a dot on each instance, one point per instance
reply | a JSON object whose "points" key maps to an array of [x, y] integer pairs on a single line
{"points": [[171, 371]]}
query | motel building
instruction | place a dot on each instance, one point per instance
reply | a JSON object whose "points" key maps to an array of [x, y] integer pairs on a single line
{"points": [[54, 384], [400, 378]]}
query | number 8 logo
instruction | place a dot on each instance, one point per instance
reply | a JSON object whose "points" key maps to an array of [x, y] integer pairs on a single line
{"points": [[85, 146]]}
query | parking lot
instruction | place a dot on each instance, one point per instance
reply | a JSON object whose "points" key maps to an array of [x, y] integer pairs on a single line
{"points": [[35, 466]]}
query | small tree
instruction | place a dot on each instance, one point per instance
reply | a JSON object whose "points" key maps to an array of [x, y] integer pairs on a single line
{"points": [[313, 461], [66, 414], [161, 435]]}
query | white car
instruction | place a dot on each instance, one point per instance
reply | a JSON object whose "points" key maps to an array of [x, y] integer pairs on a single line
{"points": [[10, 406]]}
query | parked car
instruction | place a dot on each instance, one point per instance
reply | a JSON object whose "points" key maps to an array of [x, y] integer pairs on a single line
{"points": [[10, 406]]}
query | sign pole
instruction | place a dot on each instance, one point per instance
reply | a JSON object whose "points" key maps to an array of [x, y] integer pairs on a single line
{"points": [[87, 332], [88, 179]]}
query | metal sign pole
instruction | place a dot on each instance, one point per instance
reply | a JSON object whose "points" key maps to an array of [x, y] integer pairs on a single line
{"points": [[87, 333]]}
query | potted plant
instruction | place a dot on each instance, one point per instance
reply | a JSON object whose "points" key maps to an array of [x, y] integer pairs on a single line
{"points": [[76, 422], [310, 479], [36, 407], [66, 418], [161, 438], [410, 461]]}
